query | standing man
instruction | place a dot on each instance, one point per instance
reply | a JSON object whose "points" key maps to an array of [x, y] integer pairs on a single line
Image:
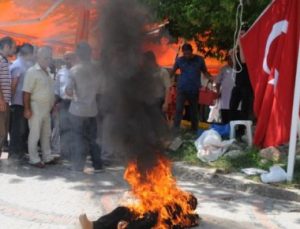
{"points": [[38, 101], [191, 66], [163, 77], [7, 48], [83, 87], [19, 125], [242, 92], [63, 102]]}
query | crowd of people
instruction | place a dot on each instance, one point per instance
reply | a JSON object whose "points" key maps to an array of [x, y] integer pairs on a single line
{"points": [[32, 98], [46, 110], [38, 102]]}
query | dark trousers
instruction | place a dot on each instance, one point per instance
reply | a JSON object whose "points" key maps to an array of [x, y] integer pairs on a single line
{"points": [[244, 96], [65, 128], [4, 126], [84, 135], [225, 116], [18, 131], [181, 98]]}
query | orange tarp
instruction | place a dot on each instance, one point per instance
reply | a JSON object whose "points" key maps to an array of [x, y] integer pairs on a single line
{"points": [[47, 22], [62, 23]]}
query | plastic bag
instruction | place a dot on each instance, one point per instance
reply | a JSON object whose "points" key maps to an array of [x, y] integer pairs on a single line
{"points": [[214, 113], [223, 130], [210, 146], [253, 171], [207, 96], [276, 174]]}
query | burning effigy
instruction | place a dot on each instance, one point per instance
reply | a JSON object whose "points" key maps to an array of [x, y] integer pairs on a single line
{"points": [[135, 128], [157, 202]]}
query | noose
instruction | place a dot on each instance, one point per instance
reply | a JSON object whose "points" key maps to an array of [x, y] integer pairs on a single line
{"points": [[238, 27]]}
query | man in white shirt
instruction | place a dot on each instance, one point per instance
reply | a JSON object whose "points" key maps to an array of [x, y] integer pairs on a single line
{"points": [[163, 78], [38, 102], [63, 104], [83, 87]]}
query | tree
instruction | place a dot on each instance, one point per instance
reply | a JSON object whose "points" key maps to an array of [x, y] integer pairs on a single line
{"points": [[211, 23]]}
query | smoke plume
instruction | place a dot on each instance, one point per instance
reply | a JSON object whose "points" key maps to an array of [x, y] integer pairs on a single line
{"points": [[133, 125]]}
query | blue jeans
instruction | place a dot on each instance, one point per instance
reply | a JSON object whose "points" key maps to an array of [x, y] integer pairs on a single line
{"points": [[193, 99], [84, 135]]}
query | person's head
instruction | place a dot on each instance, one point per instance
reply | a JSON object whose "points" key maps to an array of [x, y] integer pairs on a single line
{"points": [[70, 59], [26, 51], [83, 51], [244, 28], [7, 46], [187, 51], [150, 59], [44, 57]]}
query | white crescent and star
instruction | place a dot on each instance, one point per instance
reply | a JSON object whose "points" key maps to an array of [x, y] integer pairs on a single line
{"points": [[278, 28]]}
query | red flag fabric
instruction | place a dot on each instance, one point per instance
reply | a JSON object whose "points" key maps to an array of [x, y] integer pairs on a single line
{"points": [[270, 47]]}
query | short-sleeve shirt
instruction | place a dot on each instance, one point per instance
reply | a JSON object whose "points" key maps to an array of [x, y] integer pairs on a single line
{"points": [[164, 82], [85, 86], [226, 80], [40, 85], [5, 79], [61, 82], [17, 71], [190, 76]]}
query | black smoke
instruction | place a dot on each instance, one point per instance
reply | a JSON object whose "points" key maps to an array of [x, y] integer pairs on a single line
{"points": [[133, 125]]}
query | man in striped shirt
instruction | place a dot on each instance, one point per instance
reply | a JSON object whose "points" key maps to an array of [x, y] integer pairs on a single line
{"points": [[7, 48]]}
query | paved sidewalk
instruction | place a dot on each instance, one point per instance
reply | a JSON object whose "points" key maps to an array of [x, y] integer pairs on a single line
{"points": [[53, 198], [236, 181]]}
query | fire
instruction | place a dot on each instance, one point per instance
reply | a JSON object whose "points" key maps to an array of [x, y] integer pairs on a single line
{"points": [[156, 191]]}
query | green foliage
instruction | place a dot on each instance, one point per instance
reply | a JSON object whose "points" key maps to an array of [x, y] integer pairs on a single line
{"points": [[212, 19]]}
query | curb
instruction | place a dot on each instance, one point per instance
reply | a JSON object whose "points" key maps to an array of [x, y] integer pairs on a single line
{"points": [[234, 181]]}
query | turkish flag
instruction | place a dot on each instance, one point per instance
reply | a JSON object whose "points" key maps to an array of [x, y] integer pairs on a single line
{"points": [[270, 47]]}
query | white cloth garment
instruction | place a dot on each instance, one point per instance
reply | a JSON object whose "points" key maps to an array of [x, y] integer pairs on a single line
{"points": [[62, 80], [226, 80]]}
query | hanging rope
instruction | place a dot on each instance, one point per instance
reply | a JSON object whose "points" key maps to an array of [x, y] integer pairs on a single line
{"points": [[238, 27]]}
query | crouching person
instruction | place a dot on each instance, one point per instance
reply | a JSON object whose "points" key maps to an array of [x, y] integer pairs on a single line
{"points": [[38, 102]]}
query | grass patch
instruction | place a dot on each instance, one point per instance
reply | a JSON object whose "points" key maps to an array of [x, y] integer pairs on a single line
{"points": [[188, 153], [251, 158]]}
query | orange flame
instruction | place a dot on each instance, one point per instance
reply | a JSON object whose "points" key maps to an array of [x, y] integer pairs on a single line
{"points": [[157, 192]]}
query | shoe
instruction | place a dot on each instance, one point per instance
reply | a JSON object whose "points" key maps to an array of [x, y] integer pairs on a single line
{"points": [[107, 163], [13, 156], [54, 161], [99, 170], [39, 165]]}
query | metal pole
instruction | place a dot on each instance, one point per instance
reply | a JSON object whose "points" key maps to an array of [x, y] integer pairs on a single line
{"points": [[294, 123], [34, 20]]}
